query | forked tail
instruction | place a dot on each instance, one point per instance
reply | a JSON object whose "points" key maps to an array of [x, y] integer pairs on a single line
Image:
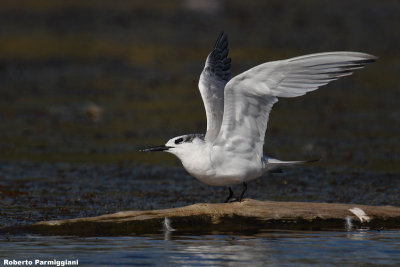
{"points": [[271, 164]]}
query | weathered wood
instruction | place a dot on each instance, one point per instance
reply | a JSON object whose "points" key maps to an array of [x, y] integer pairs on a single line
{"points": [[249, 215]]}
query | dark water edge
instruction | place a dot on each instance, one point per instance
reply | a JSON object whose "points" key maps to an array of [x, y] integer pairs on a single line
{"points": [[270, 248]]}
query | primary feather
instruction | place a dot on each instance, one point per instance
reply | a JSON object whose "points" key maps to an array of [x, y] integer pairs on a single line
{"points": [[212, 82], [249, 97]]}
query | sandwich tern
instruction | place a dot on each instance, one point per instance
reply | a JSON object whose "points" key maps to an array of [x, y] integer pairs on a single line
{"points": [[237, 109]]}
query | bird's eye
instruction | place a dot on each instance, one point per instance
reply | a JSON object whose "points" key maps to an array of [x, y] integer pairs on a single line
{"points": [[179, 140]]}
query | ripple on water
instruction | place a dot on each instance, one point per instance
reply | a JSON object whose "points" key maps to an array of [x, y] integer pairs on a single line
{"points": [[264, 249]]}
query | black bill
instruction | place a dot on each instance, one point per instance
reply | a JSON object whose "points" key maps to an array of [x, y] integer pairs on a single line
{"points": [[156, 148]]}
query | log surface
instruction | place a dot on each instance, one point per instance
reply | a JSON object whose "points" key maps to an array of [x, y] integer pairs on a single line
{"points": [[249, 215]]}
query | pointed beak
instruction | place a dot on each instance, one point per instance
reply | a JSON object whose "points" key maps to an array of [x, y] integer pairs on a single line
{"points": [[156, 148]]}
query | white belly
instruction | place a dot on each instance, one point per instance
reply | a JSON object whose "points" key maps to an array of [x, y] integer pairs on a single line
{"points": [[230, 173], [219, 168]]}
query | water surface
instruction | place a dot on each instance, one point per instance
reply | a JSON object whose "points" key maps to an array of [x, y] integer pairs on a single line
{"points": [[270, 248]]}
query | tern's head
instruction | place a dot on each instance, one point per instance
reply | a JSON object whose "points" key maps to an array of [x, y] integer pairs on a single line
{"points": [[180, 145]]}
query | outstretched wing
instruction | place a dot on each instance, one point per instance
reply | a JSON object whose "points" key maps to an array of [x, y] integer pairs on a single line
{"points": [[215, 75], [250, 96]]}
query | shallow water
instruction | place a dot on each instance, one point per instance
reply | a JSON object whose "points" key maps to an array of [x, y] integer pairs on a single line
{"points": [[271, 248]]}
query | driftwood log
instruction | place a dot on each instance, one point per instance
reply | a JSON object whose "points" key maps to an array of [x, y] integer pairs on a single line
{"points": [[248, 215]]}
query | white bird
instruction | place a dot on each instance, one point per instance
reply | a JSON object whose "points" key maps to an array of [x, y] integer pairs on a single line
{"points": [[237, 109]]}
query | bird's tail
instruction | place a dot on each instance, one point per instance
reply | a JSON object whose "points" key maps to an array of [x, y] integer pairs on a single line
{"points": [[271, 164]]}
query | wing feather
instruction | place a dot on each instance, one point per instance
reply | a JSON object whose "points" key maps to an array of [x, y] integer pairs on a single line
{"points": [[215, 75], [249, 97]]}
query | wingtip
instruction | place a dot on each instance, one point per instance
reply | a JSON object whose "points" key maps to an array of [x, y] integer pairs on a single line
{"points": [[220, 37], [372, 57], [312, 160], [368, 58]]}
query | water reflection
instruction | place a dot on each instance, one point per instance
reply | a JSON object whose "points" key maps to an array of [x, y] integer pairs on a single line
{"points": [[361, 234], [264, 249], [167, 229], [226, 250]]}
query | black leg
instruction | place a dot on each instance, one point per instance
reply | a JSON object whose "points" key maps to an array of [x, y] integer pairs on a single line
{"points": [[230, 195], [244, 191]]}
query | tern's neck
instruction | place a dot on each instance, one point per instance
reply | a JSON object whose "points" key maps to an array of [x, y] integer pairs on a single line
{"points": [[195, 157]]}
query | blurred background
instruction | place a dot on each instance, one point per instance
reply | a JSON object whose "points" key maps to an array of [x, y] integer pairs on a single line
{"points": [[85, 84]]}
